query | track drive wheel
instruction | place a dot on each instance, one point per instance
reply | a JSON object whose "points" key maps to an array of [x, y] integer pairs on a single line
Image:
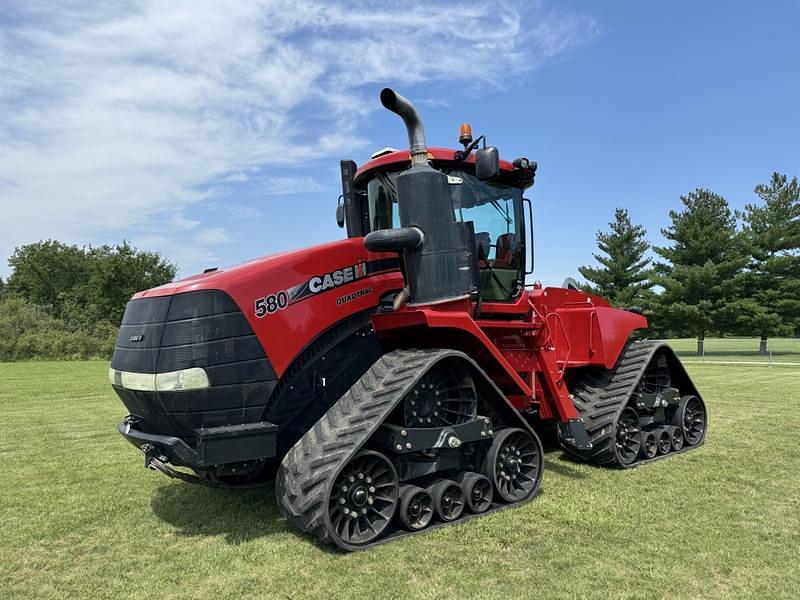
{"points": [[477, 490], [514, 464], [416, 508], [448, 499], [444, 396], [363, 499], [628, 436], [691, 418]]}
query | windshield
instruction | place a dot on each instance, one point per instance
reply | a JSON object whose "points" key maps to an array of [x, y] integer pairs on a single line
{"points": [[495, 210], [496, 214]]}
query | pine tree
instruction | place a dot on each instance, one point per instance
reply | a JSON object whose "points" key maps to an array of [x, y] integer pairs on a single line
{"points": [[699, 268], [769, 289], [623, 277]]}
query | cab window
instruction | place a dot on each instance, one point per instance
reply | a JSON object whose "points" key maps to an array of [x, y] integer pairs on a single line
{"points": [[495, 211], [382, 206]]}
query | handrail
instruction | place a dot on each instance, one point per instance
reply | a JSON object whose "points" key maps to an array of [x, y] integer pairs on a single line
{"points": [[566, 339], [550, 339]]}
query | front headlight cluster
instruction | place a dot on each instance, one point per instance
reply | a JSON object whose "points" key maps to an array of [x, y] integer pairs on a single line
{"points": [[174, 381]]}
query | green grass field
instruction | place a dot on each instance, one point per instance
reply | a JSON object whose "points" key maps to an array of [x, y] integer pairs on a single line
{"points": [[79, 516]]}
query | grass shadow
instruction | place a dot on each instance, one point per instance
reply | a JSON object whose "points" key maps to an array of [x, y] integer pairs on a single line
{"points": [[564, 465], [239, 515], [555, 459]]}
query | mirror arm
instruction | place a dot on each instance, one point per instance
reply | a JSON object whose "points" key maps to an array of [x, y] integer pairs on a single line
{"points": [[462, 154]]}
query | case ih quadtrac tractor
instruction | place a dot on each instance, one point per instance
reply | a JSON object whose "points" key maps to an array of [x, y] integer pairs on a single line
{"points": [[394, 381]]}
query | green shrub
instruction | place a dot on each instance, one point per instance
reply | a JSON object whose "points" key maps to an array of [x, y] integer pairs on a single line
{"points": [[27, 332]]}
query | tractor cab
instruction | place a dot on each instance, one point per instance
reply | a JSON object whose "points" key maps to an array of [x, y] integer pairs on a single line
{"points": [[494, 208]]}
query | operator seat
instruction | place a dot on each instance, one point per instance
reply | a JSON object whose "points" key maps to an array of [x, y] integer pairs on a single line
{"points": [[504, 256]]}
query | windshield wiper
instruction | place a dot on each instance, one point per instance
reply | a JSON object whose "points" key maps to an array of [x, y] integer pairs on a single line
{"points": [[387, 183], [502, 211]]}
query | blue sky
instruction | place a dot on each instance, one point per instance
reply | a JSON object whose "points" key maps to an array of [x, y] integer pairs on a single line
{"points": [[213, 135]]}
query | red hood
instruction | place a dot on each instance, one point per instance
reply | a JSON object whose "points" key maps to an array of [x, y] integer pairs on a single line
{"points": [[226, 277]]}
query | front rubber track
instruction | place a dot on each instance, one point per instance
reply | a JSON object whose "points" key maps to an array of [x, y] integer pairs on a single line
{"points": [[602, 394], [309, 469]]}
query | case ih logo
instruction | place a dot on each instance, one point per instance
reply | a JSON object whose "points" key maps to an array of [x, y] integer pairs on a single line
{"points": [[322, 283], [336, 278]]}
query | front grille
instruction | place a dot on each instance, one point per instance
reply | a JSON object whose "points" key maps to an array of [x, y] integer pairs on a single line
{"points": [[196, 329]]}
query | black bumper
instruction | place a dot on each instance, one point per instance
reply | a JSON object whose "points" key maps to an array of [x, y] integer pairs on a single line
{"points": [[215, 446]]}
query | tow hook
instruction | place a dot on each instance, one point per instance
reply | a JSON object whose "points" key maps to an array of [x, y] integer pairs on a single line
{"points": [[150, 453]]}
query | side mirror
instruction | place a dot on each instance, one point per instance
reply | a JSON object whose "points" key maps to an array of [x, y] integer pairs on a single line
{"points": [[487, 163], [340, 213]]}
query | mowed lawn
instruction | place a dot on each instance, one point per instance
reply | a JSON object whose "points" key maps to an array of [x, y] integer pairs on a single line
{"points": [[779, 350], [79, 516]]}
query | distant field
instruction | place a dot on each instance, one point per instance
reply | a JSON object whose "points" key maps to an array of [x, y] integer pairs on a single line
{"points": [[79, 516], [780, 350]]}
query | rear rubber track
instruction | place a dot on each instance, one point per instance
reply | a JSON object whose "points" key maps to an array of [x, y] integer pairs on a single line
{"points": [[603, 394]]}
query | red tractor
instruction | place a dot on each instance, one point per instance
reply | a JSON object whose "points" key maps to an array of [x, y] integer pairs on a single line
{"points": [[395, 380]]}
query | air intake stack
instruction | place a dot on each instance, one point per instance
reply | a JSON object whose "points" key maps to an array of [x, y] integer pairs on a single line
{"points": [[433, 245]]}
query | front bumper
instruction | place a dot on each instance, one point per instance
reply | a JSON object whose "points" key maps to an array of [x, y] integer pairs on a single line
{"points": [[215, 446]]}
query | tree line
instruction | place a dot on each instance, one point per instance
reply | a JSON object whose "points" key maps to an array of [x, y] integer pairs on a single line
{"points": [[66, 301], [721, 271]]}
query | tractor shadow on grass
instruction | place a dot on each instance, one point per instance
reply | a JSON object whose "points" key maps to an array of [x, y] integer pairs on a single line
{"points": [[249, 514], [555, 459], [239, 515]]}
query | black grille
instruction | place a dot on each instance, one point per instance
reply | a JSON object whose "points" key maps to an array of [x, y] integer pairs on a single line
{"points": [[197, 329]]}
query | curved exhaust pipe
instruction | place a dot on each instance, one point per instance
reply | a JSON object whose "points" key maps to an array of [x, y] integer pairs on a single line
{"points": [[416, 133]]}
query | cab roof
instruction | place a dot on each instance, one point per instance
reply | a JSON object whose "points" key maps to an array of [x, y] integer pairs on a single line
{"points": [[401, 159]]}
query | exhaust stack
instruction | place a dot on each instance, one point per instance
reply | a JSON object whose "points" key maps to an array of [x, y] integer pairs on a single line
{"points": [[416, 132], [432, 244]]}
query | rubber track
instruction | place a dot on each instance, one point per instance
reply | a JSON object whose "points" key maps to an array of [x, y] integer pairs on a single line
{"points": [[309, 469], [601, 396]]}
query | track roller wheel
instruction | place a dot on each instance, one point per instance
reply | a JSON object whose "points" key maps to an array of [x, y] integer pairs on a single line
{"points": [[691, 418], [477, 490], [514, 464], [415, 510], [448, 499], [677, 438], [628, 436], [649, 445], [363, 499], [664, 442]]}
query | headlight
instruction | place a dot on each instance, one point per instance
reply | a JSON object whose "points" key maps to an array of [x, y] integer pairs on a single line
{"points": [[185, 379], [174, 381]]}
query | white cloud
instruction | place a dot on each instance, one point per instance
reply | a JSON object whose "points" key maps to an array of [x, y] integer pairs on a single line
{"points": [[212, 237], [277, 186], [114, 120]]}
